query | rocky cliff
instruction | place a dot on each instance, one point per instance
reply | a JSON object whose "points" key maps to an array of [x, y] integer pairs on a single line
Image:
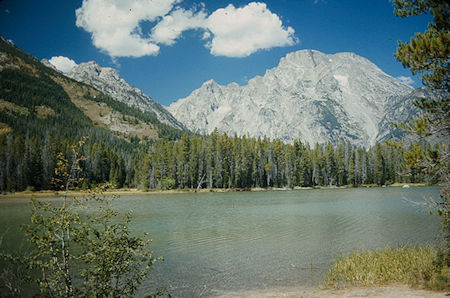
{"points": [[311, 95]]}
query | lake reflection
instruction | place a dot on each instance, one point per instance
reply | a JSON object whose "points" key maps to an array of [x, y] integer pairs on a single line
{"points": [[215, 242]]}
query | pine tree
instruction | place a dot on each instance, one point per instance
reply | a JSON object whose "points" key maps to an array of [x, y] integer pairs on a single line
{"points": [[330, 165], [352, 170], [428, 54], [380, 165]]}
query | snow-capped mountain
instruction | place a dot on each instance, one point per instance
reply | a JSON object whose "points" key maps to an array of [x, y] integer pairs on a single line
{"points": [[108, 81], [311, 95]]}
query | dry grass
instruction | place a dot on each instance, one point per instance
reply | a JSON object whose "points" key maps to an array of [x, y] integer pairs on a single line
{"points": [[413, 266], [102, 115], [5, 129], [44, 111], [9, 107], [14, 62]]}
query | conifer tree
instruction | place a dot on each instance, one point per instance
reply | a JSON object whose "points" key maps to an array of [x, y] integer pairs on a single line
{"points": [[428, 54]]}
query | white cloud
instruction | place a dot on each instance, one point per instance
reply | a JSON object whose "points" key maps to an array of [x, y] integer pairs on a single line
{"points": [[406, 80], [232, 32], [239, 32], [172, 26], [114, 24], [206, 35], [62, 63]]}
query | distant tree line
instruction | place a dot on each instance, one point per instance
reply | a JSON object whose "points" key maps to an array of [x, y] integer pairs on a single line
{"points": [[221, 161], [202, 161]]}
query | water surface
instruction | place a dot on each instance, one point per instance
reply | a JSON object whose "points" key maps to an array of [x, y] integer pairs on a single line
{"points": [[215, 242]]}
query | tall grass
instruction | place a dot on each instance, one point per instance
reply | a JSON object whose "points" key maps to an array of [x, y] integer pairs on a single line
{"points": [[414, 266]]}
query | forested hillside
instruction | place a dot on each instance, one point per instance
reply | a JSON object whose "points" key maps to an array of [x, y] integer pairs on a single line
{"points": [[43, 112]]}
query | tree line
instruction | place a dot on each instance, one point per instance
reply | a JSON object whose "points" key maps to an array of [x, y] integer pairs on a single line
{"points": [[220, 161], [202, 161]]}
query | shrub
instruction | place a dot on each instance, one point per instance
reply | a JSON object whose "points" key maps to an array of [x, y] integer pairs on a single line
{"points": [[413, 266]]}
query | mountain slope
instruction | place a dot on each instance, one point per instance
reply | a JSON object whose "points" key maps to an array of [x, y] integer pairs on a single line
{"points": [[311, 95], [108, 81], [53, 101]]}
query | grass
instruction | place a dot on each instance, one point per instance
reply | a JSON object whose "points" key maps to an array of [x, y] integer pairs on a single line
{"points": [[417, 267]]}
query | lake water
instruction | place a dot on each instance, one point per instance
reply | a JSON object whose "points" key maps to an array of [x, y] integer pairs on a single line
{"points": [[218, 242]]}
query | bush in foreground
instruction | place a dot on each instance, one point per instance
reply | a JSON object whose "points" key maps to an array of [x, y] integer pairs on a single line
{"points": [[413, 266], [79, 247]]}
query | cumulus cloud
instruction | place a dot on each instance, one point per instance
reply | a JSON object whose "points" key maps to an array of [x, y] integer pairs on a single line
{"points": [[114, 24], [172, 26], [116, 28], [406, 80], [62, 63], [239, 32]]}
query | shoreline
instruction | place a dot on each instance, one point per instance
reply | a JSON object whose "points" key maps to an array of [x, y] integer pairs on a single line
{"points": [[392, 290], [135, 191]]}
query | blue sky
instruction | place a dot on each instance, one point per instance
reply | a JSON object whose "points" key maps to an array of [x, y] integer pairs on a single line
{"points": [[168, 48]]}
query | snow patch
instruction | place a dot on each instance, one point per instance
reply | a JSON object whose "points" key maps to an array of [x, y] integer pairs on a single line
{"points": [[343, 80]]}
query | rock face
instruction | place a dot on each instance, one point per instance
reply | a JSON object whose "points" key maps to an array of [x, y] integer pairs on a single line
{"points": [[311, 95], [48, 64], [108, 81]]}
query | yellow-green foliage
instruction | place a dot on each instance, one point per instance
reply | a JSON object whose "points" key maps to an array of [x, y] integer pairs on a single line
{"points": [[413, 266]]}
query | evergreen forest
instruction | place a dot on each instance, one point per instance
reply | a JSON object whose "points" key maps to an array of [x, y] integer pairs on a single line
{"points": [[199, 161]]}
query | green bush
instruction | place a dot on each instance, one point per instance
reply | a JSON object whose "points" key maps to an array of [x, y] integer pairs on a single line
{"points": [[79, 246]]}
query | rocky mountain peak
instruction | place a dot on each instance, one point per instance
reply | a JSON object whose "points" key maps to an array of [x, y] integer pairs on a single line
{"points": [[210, 82], [92, 70], [319, 96], [48, 64], [305, 58], [108, 81]]}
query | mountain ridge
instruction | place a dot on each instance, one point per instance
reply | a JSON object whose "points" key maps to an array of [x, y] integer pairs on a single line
{"points": [[320, 97], [108, 81]]}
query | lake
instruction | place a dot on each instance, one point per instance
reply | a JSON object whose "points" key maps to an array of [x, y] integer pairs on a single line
{"points": [[218, 242]]}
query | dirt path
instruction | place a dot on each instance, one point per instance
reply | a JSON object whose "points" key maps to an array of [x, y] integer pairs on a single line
{"points": [[379, 291]]}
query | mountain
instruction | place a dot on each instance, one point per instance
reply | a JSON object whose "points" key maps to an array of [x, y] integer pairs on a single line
{"points": [[35, 98], [49, 65], [108, 81], [311, 95]]}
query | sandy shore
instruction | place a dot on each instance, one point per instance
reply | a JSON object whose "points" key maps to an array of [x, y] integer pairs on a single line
{"points": [[378, 291], [134, 191]]}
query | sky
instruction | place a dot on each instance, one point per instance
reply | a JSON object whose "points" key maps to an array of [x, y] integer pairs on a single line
{"points": [[168, 48]]}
